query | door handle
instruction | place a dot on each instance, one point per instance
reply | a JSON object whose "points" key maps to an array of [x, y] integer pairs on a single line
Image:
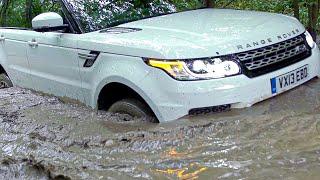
{"points": [[2, 38], [33, 43]]}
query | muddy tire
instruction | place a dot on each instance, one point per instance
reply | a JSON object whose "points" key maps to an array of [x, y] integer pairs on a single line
{"points": [[134, 108], [5, 82]]}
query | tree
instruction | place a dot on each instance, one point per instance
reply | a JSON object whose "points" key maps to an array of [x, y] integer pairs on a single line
{"points": [[4, 11], [313, 14], [209, 3], [296, 9], [28, 12]]}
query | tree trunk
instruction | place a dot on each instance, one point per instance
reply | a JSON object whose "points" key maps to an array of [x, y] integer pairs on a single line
{"points": [[3, 12], [296, 9], [210, 3], [318, 26], [28, 12], [313, 12]]}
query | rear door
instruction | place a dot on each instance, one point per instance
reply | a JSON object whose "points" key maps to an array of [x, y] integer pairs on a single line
{"points": [[14, 45]]}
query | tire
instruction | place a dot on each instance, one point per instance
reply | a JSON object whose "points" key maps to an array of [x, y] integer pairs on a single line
{"points": [[134, 108], [5, 82]]}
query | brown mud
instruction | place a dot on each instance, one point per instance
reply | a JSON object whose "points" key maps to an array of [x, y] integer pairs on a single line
{"points": [[42, 138]]}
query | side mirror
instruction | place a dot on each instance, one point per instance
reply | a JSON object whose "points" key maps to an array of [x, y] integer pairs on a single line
{"points": [[47, 22]]}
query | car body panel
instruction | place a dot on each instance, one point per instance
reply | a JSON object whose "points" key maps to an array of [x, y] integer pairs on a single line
{"points": [[14, 58], [174, 99], [110, 68], [50, 67], [54, 65], [195, 34]]}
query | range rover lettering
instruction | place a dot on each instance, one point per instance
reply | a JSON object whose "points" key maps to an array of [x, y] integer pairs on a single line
{"points": [[161, 61]]}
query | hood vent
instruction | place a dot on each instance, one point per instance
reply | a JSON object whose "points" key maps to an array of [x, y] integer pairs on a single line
{"points": [[120, 30]]}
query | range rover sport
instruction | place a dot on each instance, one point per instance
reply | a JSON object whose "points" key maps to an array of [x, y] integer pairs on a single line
{"points": [[161, 62]]}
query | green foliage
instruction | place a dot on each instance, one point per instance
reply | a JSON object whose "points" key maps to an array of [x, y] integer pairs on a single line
{"points": [[16, 12], [187, 4], [274, 6]]}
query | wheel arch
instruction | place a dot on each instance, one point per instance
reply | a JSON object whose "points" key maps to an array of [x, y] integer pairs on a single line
{"points": [[2, 70], [3, 62], [118, 86]]}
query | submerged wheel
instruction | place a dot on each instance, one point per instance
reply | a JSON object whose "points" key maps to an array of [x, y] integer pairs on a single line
{"points": [[5, 82], [134, 108]]}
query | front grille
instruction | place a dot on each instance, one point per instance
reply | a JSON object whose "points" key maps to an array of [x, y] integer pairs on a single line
{"points": [[271, 58]]}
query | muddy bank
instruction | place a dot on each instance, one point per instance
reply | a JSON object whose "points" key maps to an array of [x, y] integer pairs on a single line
{"points": [[42, 138]]}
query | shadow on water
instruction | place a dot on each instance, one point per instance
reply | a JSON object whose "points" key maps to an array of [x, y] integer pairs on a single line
{"points": [[42, 138]]}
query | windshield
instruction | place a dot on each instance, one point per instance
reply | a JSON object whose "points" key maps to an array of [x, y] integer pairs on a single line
{"points": [[95, 15]]}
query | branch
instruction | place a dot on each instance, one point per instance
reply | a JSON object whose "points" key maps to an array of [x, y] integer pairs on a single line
{"points": [[229, 3]]}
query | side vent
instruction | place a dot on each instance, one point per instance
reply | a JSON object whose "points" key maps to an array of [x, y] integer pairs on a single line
{"points": [[90, 58]]}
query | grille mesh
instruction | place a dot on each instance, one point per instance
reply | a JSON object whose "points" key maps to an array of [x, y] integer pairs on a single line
{"points": [[208, 110], [270, 58]]}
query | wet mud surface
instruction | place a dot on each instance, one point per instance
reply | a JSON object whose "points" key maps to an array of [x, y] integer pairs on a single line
{"points": [[43, 138]]}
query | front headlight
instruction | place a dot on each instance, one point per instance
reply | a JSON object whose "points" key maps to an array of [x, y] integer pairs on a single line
{"points": [[310, 40], [198, 69]]}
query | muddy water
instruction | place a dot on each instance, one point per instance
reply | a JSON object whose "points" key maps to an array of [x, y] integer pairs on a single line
{"points": [[42, 138]]}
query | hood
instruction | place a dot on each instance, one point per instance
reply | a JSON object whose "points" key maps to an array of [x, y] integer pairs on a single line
{"points": [[195, 34]]}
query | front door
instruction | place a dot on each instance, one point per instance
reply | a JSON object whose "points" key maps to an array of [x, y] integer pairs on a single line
{"points": [[54, 65]]}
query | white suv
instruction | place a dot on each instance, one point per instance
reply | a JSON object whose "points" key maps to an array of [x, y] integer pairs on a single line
{"points": [[158, 61]]}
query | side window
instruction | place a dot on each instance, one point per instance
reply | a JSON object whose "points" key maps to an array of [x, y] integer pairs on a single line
{"points": [[19, 13]]}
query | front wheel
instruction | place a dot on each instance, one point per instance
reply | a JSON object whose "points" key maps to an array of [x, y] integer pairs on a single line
{"points": [[134, 108], [5, 82]]}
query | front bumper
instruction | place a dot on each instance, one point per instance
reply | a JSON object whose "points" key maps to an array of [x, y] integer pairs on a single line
{"points": [[171, 99]]}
